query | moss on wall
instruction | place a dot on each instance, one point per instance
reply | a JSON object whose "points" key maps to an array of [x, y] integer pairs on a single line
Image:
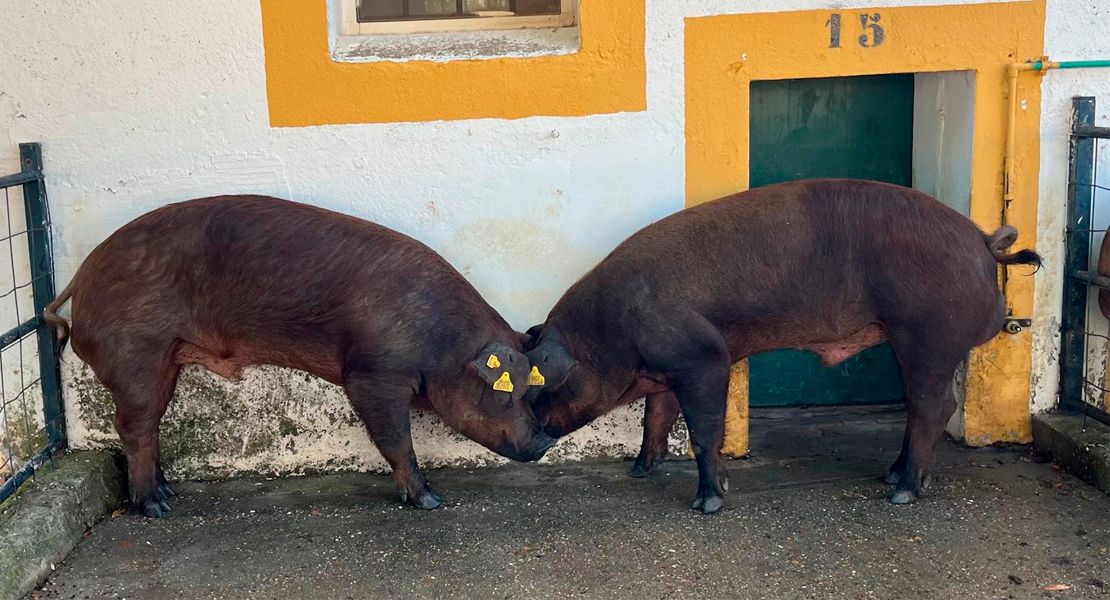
{"points": [[283, 422]]}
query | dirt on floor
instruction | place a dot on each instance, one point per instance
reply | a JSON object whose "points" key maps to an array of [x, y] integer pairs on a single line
{"points": [[807, 518]]}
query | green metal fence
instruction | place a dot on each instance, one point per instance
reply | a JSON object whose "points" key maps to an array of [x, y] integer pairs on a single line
{"points": [[32, 421], [1082, 388]]}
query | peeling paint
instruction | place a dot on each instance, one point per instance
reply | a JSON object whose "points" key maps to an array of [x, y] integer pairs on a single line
{"points": [[285, 422], [22, 434], [1070, 34]]}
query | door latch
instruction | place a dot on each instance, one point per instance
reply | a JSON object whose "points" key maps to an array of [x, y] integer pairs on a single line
{"points": [[1014, 326]]}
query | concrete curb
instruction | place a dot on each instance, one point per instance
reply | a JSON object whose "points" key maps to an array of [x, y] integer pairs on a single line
{"points": [[49, 519], [1082, 449]]}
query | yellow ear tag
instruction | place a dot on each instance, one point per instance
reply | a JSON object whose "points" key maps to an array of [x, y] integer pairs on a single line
{"points": [[505, 384], [493, 361], [535, 377]]}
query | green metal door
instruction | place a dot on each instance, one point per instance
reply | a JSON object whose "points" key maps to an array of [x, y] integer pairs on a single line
{"points": [[858, 127]]}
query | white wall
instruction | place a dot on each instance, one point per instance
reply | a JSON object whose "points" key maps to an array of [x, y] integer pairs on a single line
{"points": [[138, 108], [1075, 30]]}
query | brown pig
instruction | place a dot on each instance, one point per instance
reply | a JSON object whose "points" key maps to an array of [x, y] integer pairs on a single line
{"points": [[1104, 270], [828, 266], [232, 281]]}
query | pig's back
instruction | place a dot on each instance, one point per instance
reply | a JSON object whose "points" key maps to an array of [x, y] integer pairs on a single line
{"points": [[801, 247], [242, 263]]}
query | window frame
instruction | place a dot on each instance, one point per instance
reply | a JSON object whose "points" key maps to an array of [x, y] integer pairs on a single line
{"points": [[568, 17]]}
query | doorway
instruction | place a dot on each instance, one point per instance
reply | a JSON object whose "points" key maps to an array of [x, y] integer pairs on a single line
{"points": [[853, 127]]}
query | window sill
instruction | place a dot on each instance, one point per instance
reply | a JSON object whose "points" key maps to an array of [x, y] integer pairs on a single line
{"points": [[450, 46]]}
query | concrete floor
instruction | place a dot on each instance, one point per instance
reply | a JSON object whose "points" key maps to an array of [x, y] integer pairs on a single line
{"points": [[807, 518]]}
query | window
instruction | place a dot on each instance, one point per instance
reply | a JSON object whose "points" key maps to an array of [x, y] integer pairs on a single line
{"points": [[425, 16]]}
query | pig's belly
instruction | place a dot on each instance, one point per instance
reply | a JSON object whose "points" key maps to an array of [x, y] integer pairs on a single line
{"points": [[835, 352]]}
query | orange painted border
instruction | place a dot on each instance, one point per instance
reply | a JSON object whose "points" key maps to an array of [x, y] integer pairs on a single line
{"points": [[305, 87]]}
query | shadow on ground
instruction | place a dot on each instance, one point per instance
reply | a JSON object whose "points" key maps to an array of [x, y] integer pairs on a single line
{"points": [[807, 518]]}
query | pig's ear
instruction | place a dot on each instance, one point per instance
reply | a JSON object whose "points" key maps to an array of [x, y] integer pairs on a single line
{"points": [[529, 338], [494, 362], [551, 363]]}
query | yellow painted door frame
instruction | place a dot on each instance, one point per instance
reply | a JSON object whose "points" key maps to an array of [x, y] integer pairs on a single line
{"points": [[725, 53]]}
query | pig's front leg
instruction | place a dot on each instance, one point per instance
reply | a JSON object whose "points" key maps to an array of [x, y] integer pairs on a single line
{"points": [[697, 368], [660, 413], [383, 403], [702, 391], [703, 405]]}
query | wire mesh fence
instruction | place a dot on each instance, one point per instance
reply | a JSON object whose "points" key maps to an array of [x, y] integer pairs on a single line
{"points": [[1084, 377], [32, 426]]}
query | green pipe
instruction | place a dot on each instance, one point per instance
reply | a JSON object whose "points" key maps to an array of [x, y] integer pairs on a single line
{"points": [[1073, 64]]}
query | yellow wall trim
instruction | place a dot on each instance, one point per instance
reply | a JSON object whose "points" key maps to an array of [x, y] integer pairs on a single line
{"points": [[725, 53], [305, 87], [736, 417]]}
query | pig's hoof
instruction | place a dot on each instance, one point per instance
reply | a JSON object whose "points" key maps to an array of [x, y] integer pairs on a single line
{"points": [[639, 470], [903, 497], [167, 491], [708, 503], [156, 509], [892, 477], [426, 500], [710, 500]]}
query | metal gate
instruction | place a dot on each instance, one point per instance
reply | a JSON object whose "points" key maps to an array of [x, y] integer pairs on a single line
{"points": [[1083, 364], [32, 424]]}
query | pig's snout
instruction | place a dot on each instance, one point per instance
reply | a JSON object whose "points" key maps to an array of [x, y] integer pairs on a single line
{"points": [[534, 450], [539, 446]]}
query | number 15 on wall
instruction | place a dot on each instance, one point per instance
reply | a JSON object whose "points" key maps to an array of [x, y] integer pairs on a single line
{"points": [[872, 36]]}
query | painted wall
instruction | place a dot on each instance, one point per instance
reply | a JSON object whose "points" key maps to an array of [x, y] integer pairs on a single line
{"points": [[136, 109], [1070, 35]]}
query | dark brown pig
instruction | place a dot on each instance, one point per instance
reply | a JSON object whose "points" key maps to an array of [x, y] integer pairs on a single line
{"points": [[1104, 270], [829, 266], [233, 281]]}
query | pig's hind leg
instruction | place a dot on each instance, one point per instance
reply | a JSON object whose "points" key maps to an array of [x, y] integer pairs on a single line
{"points": [[697, 370], [661, 410], [928, 364], [142, 390], [383, 403]]}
